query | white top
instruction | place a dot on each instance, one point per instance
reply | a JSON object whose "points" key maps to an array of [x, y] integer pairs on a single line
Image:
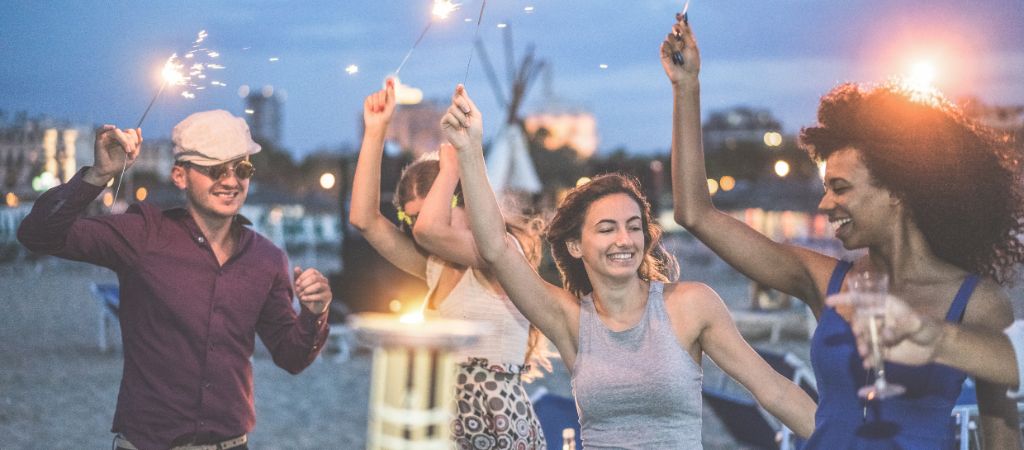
{"points": [[1016, 334], [505, 331]]}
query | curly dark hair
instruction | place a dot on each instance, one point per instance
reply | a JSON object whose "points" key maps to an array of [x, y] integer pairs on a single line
{"points": [[566, 225], [961, 181]]}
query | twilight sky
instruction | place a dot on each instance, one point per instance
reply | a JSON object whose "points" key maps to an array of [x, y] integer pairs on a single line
{"points": [[94, 62]]}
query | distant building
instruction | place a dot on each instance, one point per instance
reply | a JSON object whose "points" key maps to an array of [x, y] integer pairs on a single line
{"points": [[156, 157], [1006, 118], [38, 153], [264, 113], [727, 128], [416, 128], [565, 128]]}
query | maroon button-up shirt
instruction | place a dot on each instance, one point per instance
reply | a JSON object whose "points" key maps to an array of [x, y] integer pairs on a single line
{"points": [[188, 324]]}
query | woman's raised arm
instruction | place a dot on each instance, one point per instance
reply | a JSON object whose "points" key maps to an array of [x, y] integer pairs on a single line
{"points": [[434, 229], [365, 214], [783, 267], [550, 308]]}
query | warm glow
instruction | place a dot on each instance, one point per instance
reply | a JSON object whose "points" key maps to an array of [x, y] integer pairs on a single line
{"points": [[405, 94], [327, 180], [727, 183], [712, 186], [781, 168], [773, 139], [352, 69], [443, 8], [108, 199], [141, 194], [582, 181], [412, 317], [395, 306], [11, 200]]}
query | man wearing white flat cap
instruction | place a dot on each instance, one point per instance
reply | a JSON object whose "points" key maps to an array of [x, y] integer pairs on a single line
{"points": [[197, 286]]}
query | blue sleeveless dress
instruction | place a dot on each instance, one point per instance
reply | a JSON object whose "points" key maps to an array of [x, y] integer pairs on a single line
{"points": [[918, 419]]}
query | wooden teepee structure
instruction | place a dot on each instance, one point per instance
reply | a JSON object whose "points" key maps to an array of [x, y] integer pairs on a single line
{"points": [[509, 165]]}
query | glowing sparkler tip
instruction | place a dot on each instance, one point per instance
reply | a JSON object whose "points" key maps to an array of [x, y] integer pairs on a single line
{"points": [[528, 9], [603, 66], [352, 69], [274, 59], [443, 8]]}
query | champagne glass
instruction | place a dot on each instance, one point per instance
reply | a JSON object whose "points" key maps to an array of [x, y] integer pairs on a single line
{"points": [[870, 292]]}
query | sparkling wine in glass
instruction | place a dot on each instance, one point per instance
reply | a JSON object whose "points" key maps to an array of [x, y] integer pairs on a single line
{"points": [[871, 291]]}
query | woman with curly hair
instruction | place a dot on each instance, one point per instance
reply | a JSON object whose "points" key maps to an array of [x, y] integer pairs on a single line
{"points": [[493, 409], [631, 337], [936, 201]]}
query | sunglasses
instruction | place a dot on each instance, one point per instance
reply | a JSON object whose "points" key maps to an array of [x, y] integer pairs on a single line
{"points": [[242, 169]]}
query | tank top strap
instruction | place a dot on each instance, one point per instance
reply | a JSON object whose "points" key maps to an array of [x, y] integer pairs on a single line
{"points": [[835, 284], [656, 301], [959, 306]]}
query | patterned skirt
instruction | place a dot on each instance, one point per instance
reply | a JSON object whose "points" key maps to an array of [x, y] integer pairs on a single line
{"points": [[493, 409]]}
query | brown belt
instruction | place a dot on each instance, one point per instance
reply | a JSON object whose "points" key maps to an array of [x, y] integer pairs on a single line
{"points": [[121, 441]]}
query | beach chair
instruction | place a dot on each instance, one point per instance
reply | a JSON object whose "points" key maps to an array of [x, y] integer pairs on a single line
{"points": [[555, 414], [108, 297], [791, 367], [745, 421]]}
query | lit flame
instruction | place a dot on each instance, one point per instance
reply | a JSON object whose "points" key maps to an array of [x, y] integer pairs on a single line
{"points": [[443, 8], [412, 317]]}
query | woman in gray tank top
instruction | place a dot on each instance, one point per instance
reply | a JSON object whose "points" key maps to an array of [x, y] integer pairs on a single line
{"points": [[632, 339]]}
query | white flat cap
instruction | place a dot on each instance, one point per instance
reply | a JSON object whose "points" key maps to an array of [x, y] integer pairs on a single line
{"points": [[209, 138]]}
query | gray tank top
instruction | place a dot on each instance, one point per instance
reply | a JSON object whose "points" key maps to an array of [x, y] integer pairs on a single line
{"points": [[636, 388]]}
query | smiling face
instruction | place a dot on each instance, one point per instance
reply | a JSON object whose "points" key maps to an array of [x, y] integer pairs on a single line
{"points": [[220, 198], [611, 237], [860, 212]]}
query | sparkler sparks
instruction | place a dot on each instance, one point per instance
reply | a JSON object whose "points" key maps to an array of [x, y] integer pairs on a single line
{"points": [[174, 74], [441, 10]]}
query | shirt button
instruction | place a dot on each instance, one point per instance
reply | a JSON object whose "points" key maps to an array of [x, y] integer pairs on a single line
{"points": [[315, 346], [320, 322], [206, 385], [200, 239]]}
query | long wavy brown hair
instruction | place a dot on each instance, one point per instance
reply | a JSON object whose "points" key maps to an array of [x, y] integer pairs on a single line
{"points": [[415, 182], [960, 181], [567, 223]]}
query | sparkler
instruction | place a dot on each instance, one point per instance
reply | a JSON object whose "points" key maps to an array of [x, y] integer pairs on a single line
{"points": [[677, 56], [441, 10], [476, 34], [174, 74]]}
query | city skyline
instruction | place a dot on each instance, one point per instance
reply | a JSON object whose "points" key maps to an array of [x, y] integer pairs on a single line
{"points": [[93, 63]]}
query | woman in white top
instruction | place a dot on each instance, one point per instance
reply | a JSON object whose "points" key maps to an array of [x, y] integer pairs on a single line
{"points": [[634, 341], [493, 409]]}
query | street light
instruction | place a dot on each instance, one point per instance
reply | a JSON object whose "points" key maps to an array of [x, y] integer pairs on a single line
{"points": [[712, 186], [781, 168], [727, 183], [327, 180], [141, 194], [773, 139]]}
